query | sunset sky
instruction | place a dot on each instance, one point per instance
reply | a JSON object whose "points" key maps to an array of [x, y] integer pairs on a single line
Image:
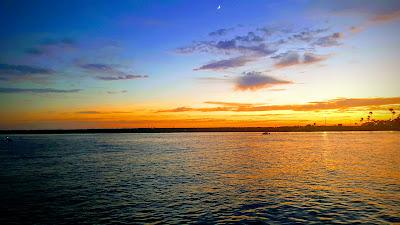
{"points": [[186, 63]]}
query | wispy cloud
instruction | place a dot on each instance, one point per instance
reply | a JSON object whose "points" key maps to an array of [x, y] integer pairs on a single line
{"points": [[110, 72], [51, 44], [309, 58], [292, 58], [386, 17], [339, 104], [37, 90], [221, 32], [123, 77], [237, 45], [261, 42], [307, 34], [101, 112], [329, 40], [21, 72], [98, 67], [227, 63], [287, 59], [256, 80], [117, 92]]}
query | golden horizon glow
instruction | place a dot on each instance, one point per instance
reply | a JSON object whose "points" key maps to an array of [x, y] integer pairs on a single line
{"points": [[291, 66]]}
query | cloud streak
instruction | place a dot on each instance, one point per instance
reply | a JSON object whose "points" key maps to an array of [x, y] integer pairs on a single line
{"points": [[227, 63], [100, 112], [387, 17], [256, 80], [37, 90], [293, 58], [109, 72], [17, 72], [261, 42], [338, 104], [329, 40], [123, 77], [249, 44], [220, 32]]}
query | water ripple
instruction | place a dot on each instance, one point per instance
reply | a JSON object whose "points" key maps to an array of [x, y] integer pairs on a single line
{"points": [[201, 178]]}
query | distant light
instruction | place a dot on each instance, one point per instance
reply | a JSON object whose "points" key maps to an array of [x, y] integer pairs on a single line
{"points": [[219, 7]]}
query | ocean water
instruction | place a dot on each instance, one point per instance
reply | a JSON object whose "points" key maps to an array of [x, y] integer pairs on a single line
{"points": [[201, 178]]}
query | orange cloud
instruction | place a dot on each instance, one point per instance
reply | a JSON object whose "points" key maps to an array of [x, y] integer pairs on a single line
{"points": [[395, 15], [339, 103]]}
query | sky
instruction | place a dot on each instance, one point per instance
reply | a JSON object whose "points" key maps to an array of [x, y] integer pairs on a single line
{"points": [[185, 63]]}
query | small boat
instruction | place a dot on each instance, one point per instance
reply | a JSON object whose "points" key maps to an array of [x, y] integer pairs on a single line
{"points": [[7, 140], [266, 133]]}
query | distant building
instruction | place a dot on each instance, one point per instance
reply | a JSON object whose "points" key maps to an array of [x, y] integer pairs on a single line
{"points": [[340, 125]]}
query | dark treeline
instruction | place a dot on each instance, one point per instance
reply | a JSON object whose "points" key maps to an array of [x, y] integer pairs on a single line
{"points": [[373, 124], [217, 129], [369, 125]]}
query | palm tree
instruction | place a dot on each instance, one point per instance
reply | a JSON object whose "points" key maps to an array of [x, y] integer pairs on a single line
{"points": [[393, 112], [369, 116], [361, 120]]}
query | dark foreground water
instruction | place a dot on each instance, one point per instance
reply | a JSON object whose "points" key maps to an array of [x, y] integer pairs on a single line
{"points": [[201, 178]]}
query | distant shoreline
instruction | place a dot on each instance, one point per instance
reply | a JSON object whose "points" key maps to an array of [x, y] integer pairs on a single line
{"points": [[216, 129]]}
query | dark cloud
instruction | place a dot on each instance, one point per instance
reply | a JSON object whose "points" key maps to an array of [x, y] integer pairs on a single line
{"points": [[266, 41], [16, 72], [8, 69], [333, 104], [97, 67], [266, 31], [256, 80], [124, 77], [110, 72], [116, 92], [226, 45], [329, 40], [50, 45], [258, 50], [220, 32], [309, 58], [233, 46], [226, 63], [293, 58], [240, 44], [197, 46], [307, 34], [287, 59], [249, 38], [37, 90]]}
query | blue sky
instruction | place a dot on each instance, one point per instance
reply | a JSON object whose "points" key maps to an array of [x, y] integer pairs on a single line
{"points": [[165, 60]]}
